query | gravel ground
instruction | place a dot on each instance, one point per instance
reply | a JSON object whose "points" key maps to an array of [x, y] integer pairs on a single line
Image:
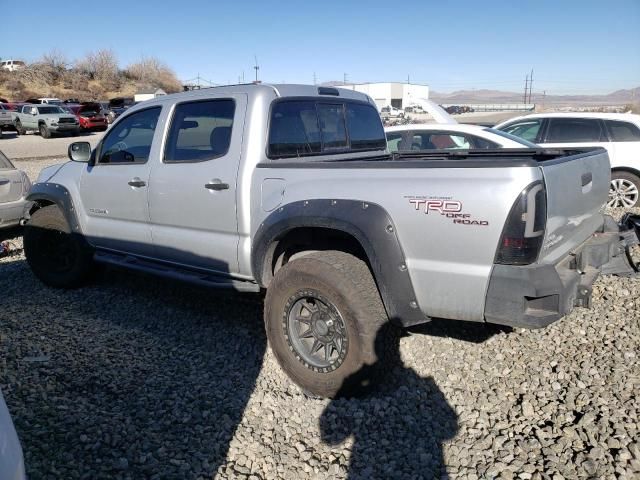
{"points": [[135, 377]]}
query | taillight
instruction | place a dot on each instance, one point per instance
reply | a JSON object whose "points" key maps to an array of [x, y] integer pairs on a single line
{"points": [[26, 185], [523, 232]]}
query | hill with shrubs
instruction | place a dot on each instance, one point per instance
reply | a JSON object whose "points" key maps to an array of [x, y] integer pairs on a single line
{"points": [[96, 76]]}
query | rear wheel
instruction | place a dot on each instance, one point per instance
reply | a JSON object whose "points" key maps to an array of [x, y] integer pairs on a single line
{"points": [[624, 190], [322, 315], [19, 128], [58, 257], [44, 131]]}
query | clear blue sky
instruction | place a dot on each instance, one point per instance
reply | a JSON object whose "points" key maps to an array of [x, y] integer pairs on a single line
{"points": [[574, 46]]}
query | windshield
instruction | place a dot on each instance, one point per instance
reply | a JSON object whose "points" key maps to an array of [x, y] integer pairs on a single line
{"points": [[513, 138], [51, 109]]}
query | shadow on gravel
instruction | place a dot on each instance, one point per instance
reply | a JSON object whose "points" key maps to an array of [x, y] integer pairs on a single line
{"points": [[9, 234], [132, 377], [473, 332], [410, 445]]}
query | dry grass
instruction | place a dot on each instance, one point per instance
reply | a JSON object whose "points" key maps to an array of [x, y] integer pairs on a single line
{"points": [[97, 76]]}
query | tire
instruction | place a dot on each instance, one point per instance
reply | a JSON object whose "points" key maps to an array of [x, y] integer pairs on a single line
{"points": [[19, 128], [348, 310], [44, 131], [624, 190], [56, 256]]}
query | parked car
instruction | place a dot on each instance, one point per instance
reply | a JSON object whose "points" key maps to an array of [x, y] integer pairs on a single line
{"points": [[47, 100], [89, 116], [391, 112], [14, 187], [11, 456], [414, 108], [6, 120], [12, 65], [415, 137], [290, 188], [45, 119], [117, 106], [618, 133]]}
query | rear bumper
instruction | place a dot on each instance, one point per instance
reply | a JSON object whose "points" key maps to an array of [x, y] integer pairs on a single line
{"points": [[535, 296], [11, 213]]}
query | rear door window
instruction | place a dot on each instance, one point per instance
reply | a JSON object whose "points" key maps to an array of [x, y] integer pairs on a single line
{"points": [[574, 130], [622, 131], [200, 131], [310, 127]]}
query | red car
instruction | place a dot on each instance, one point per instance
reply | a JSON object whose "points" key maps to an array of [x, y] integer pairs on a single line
{"points": [[89, 115]]}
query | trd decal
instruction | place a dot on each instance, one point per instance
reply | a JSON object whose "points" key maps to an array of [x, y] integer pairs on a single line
{"points": [[447, 207]]}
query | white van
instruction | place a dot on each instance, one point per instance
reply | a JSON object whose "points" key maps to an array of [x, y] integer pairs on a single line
{"points": [[12, 65]]}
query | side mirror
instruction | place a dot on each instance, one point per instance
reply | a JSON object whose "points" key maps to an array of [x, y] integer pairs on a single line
{"points": [[34, 112], [79, 151]]}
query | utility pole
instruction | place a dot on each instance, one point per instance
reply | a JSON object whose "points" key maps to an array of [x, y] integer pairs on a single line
{"points": [[315, 80], [344, 79], [526, 86], [530, 85], [408, 80], [544, 98], [256, 67]]}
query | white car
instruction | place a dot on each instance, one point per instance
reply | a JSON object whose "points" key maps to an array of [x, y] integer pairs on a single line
{"points": [[456, 136], [14, 187], [12, 65], [391, 112], [11, 458], [619, 133]]}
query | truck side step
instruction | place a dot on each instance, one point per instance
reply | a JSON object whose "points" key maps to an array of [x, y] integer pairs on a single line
{"points": [[176, 272]]}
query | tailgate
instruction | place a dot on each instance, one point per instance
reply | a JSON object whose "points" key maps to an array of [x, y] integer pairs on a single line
{"points": [[577, 189]]}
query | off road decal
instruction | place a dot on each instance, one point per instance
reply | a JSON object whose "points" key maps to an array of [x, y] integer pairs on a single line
{"points": [[447, 207]]}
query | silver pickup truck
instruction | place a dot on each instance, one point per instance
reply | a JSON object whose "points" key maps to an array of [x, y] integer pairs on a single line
{"points": [[46, 120], [291, 189]]}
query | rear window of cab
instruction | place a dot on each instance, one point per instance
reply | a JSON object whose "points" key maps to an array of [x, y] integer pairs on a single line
{"points": [[307, 127]]}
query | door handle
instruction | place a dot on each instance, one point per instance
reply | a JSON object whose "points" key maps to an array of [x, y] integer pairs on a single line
{"points": [[587, 178], [216, 184], [137, 182]]}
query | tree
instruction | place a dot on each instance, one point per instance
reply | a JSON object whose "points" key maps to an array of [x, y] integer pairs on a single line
{"points": [[150, 71]]}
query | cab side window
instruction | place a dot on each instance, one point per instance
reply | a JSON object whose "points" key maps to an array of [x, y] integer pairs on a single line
{"points": [[200, 131], [130, 139]]}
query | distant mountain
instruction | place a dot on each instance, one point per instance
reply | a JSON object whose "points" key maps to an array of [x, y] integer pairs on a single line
{"points": [[497, 96]]}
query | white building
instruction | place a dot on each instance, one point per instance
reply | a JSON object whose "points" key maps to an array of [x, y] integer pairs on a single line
{"points": [[399, 95], [148, 94]]}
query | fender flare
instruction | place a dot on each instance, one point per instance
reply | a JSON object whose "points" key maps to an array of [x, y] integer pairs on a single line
{"points": [[370, 225], [59, 195]]}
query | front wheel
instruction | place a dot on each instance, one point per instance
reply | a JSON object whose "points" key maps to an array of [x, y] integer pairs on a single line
{"points": [[44, 131], [624, 190], [322, 314], [56, 255]]}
